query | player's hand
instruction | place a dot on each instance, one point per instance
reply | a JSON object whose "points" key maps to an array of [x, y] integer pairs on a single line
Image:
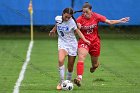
{"points": [[87, 41], [52, 33], [124, 20], [79, 25]]}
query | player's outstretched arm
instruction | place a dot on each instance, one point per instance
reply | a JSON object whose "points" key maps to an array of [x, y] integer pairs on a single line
{"points": [[52, 32], [82, 36], [122, 20]]}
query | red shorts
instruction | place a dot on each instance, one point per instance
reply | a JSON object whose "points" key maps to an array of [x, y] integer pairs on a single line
{"points": [[93, 48]]}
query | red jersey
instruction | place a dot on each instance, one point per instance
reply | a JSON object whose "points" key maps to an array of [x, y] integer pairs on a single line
{"points": [[89, 27]]}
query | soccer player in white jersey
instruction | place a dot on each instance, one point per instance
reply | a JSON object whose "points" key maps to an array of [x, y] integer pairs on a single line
{"points": [[67, 42]]}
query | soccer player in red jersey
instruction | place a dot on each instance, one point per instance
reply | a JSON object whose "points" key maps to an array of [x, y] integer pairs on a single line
{"points": [[88, 24]]}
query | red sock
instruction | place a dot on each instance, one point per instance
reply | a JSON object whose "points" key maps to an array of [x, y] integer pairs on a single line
{"points": [[80, 68]]}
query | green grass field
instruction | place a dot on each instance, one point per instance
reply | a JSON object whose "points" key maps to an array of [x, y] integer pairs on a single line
{"points": [[119, 71]]}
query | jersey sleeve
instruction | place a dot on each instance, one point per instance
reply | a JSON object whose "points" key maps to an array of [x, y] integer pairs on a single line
{"points": [[100, 17], [58, 19]]}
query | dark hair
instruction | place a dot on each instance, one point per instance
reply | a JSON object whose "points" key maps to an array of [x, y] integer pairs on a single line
{"points": [[78, 11], [69, 11], [86, 5]]}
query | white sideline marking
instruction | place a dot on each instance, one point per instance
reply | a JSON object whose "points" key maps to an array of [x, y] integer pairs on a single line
{"points": [[21, 75]]}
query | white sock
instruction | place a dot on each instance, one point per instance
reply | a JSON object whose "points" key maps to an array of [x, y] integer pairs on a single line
{"points": [[80, 77], [69, 75], [62, 73]]}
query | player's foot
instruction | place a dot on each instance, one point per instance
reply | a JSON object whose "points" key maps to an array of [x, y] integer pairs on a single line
{"points": [[77, 81], [92, 69], [59, 87]]}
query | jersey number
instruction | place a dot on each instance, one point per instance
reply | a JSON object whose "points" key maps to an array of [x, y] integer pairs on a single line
{"points": [[89, 31], [62, 34]]}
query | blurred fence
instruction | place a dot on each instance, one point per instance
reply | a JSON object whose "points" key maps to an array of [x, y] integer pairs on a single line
{"points": [[15, 12]]}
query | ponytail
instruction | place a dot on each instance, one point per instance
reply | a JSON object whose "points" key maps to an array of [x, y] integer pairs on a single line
{"points": [[86, 5], [78, 11], [74, 20]]}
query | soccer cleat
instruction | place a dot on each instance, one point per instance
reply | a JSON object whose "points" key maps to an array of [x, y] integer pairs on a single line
{"points": [[59, 87], [92, 69], [77, 81]]}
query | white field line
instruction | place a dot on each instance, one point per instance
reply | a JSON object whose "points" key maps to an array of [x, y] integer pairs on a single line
{"points": [[21, 75]]}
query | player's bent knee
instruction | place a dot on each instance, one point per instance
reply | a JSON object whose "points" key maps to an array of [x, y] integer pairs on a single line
{"points": [[81, 57], [61, 62]]}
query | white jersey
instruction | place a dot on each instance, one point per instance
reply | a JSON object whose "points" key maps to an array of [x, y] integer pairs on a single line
{"points": [[66, 36]]}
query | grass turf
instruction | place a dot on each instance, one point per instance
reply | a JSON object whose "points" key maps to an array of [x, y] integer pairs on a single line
{"points": [[118, 72]]}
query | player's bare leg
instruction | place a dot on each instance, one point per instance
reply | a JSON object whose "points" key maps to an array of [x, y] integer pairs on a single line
{"points": [[82, 53], [61, 57], [95, 63]]}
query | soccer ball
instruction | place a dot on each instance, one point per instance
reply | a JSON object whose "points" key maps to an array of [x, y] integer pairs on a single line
{"points": [[67, 85]]}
